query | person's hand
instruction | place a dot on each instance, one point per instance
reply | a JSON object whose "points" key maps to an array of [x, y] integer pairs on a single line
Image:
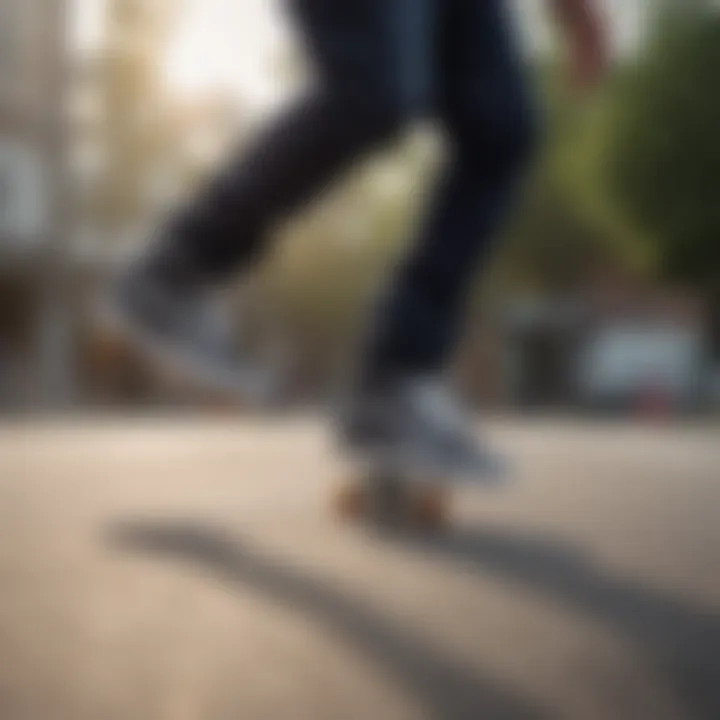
{"points": [[587, 42], [589, 60]]}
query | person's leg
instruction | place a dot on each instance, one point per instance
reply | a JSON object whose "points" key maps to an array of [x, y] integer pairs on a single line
{"points": [[489, 121], [372, 60], [402, 411]]}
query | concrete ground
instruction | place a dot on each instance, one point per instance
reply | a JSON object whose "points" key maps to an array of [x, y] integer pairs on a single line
{"points": [[191, 570]]}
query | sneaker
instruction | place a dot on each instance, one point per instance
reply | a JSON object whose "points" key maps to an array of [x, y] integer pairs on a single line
{"points": [[416, 426], [182, 326]]}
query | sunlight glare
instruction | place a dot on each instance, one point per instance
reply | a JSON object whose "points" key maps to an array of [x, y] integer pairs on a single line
{"points": [[226, 46], [200, 57]]}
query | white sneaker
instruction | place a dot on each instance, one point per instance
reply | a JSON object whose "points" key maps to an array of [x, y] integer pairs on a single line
{"points": [[183, 328], [417, 426]]}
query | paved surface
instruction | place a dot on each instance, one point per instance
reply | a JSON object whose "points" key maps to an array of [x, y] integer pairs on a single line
{"points": [[190, 570]]}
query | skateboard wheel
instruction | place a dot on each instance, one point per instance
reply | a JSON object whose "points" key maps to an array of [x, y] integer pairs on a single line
{"points": [[430, 508], [421, 508], [351, 501]]}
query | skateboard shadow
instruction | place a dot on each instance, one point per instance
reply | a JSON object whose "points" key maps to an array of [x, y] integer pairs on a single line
{"points": [[679, 642], [446, 689]]}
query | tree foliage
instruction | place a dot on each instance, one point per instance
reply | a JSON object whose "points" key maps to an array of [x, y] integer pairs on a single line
{"points": [[663, 159]]}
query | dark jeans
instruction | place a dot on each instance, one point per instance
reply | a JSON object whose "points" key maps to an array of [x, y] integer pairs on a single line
{"points": [[381, 64]]}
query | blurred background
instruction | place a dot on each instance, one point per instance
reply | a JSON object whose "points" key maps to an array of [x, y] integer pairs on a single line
{"points": [[163, 565], [604, 296]]}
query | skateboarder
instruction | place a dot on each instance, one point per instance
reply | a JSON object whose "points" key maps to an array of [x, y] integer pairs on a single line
{"points": [[380, 65]]}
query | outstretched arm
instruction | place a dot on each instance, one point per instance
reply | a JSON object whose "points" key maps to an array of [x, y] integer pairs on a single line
{"points": [[587, 40]]}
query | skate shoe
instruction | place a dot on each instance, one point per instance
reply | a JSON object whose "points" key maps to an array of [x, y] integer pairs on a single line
{"points": [[417, 427], [183, 326]]}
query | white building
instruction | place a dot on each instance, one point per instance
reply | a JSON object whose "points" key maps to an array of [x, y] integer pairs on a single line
{"points": [[32, 359]]}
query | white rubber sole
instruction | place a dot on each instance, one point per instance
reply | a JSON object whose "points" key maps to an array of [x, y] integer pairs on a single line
{"points": [[421, 468]]}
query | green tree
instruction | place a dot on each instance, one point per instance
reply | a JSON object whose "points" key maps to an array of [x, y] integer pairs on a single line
{"points": [[663, 159], [566, 230]]}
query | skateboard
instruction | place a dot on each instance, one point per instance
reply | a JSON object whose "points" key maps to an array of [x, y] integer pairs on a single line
{"points": [[401, 499], [391, 499]]}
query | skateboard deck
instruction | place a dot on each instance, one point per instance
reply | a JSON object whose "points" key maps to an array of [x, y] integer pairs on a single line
{"points": [[401, 499], [393, 500]]}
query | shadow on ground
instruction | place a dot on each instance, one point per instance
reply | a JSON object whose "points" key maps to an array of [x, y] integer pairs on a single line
{"points": [[679, 642], [447, 689]]}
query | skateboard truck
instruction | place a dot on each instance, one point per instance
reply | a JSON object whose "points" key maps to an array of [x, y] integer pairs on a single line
{"points": [[389, 500]]}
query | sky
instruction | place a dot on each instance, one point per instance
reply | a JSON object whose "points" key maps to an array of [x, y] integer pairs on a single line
{"points": [[230, 44]]}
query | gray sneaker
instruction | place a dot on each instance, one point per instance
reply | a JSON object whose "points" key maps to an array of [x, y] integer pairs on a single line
{"points": [[183, 327], [417, 427]]}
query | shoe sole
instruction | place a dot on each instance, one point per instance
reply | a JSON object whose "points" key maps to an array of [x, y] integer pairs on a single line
{"points": [[421, 468]]}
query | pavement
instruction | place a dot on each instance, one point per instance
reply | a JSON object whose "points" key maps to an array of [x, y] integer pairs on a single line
{"points": [[191, 569]]}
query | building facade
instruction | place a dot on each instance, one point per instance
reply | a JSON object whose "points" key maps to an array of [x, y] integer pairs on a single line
{"points": [[32, 62]]}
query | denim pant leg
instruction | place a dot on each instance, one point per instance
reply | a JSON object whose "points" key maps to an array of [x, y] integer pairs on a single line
{"points": [[487, 114], [373, 67]]}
